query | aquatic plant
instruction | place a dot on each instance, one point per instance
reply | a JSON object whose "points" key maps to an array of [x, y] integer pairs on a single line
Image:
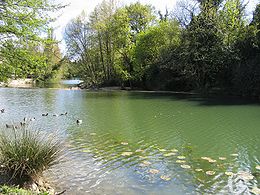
{"points": [[210, 172], [26, 153], [199, 170], [186, 166], [165, 177], [127, 153], [169, 154], [154, 171], [229, 173]]}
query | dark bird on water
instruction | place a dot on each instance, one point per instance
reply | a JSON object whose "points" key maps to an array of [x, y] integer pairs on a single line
{"points": [[2, 110], [22, 124], [63, 113], [11, 126], [79, 121], [45, 114]]}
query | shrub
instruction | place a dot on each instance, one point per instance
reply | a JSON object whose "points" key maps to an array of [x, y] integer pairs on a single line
{"points": [[26, 153]]}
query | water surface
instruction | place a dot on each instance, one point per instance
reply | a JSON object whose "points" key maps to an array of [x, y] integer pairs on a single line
{"points": [[155, 130]]}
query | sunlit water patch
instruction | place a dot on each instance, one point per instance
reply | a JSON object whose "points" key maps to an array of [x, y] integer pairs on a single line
{"points": [[145, 143]]}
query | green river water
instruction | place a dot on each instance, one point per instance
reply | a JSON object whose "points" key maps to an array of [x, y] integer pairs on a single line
{"points": [[129, 142]]}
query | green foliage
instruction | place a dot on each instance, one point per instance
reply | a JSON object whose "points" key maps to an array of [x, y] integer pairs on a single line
{"points": [[151, 45], [212, 47], [25, 19], [21, 61], [26, 153], [22, 26], [14, 190]]}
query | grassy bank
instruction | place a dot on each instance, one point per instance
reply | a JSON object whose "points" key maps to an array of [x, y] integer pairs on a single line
{"points": [[24, 155]]}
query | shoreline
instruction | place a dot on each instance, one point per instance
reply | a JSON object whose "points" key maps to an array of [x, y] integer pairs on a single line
{"points": [[30, 84]]}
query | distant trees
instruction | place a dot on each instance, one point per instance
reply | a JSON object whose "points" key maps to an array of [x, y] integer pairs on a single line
{"points": [[204, 45]]}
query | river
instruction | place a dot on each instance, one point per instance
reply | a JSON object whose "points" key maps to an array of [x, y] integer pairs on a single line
{"points": [[137, 142]]}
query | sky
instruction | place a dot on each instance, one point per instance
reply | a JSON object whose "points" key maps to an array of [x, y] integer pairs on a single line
{"points": [[75, 7]]}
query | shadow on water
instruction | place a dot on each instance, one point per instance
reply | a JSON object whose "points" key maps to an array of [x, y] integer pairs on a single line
{"points": [[197, 98]]}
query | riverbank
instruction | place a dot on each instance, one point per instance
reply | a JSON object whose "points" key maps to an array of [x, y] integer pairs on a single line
{"points": [[19, 83], [215, 92]]}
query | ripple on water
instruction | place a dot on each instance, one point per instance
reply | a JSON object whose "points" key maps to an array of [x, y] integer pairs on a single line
{"points": [[124, 123]]}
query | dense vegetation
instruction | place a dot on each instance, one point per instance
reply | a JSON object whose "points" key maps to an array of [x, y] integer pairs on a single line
{"points": [[27, 46], [205, 45], [25, 154], [202, 45]]}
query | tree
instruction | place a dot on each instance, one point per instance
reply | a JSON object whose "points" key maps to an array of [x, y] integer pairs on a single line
{"points": [[150, 46], [21, 25]]}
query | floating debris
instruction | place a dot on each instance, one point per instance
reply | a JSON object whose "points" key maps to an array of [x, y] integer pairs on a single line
{"points": [[186, 166], [145, 163], [235, 155], [169, 154], [222, 158], [205, 158], [255, 190], [154, 171], [245, 175], [92, 134], [86, 150], [180, 161], [258, 167], [229, 173], [162, 150], [181, 157], [210, 172], [124, 143], [199, 170], [165, 178], [174, 150], [139, 150], [127, 153], [212, 161]]}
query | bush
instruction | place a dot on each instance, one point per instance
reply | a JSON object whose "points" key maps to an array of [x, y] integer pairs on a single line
{"points": [[26, 153]]}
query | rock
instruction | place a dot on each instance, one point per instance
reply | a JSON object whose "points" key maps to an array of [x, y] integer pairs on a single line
{"points": [[255, 190], [245, 175]]}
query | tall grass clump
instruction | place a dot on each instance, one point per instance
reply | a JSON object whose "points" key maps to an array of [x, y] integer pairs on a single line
{"points": [[25, 153]]}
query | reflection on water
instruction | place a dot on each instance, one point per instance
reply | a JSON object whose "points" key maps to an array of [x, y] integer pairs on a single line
{"points": [[60, 84], [144, 143]]}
